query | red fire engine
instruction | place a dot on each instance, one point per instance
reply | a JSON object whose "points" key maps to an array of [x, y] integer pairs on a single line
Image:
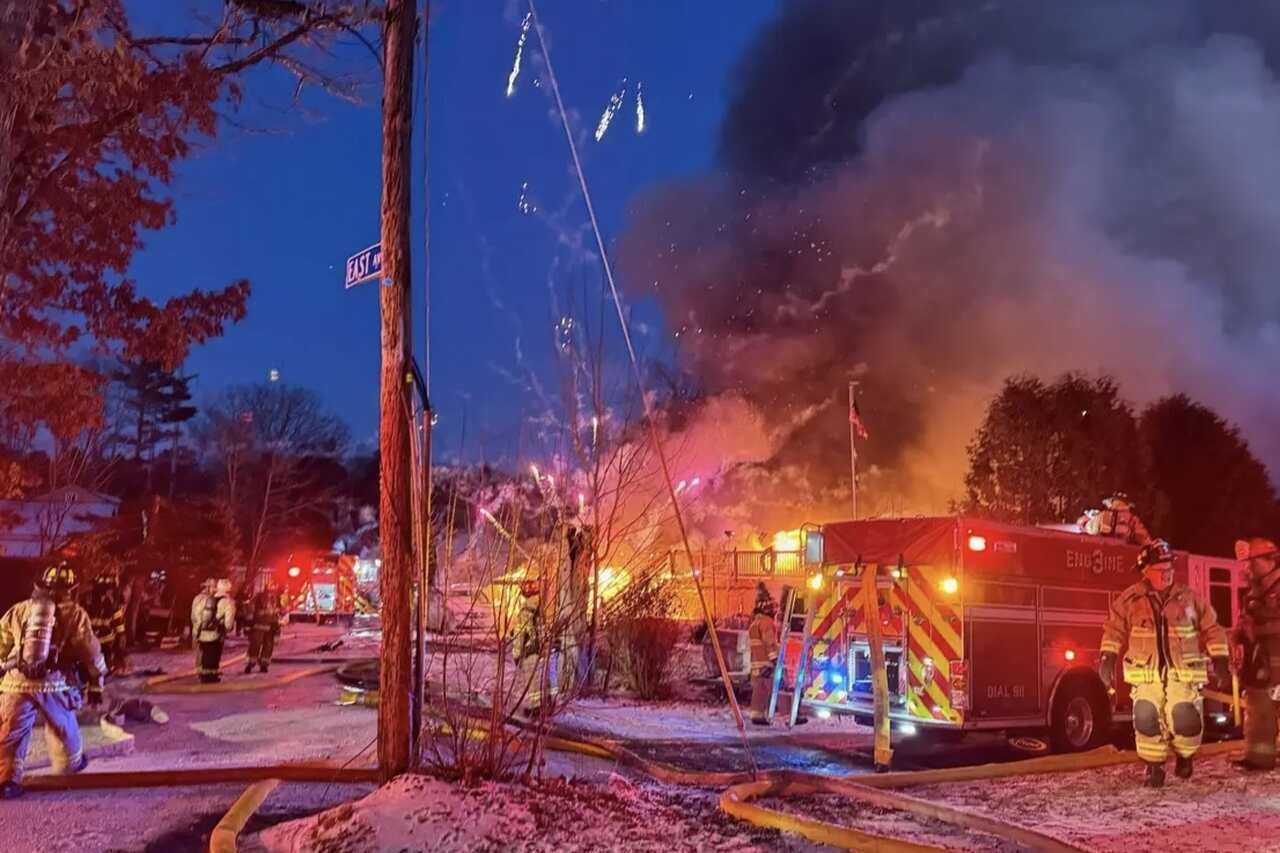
{"points": [[317, 586], [985, 626]]}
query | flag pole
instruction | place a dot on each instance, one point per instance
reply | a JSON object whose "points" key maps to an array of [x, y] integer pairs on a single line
{"points": [[853, 447]]}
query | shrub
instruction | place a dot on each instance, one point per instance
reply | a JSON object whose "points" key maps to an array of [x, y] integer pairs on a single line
{"points": [[644, 649]]}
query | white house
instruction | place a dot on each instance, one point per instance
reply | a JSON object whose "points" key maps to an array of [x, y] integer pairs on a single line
{"points": [[45, 522]]}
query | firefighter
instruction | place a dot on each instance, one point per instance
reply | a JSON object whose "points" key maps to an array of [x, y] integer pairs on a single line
{"points": [[45, 642], [263, 619], [213, 616], [1167, 628], [527, 646], [763, 635], [1255, 650], [106, 613], [528, 640]]}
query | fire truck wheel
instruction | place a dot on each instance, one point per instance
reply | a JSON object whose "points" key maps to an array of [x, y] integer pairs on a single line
{"points": [[1081, 717]]}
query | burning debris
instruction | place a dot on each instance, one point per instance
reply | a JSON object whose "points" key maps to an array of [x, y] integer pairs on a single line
{"points": [[956, 198]]}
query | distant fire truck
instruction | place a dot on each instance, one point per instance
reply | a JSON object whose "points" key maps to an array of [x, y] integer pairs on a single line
{"points": [[318, 587], [985, 626]]}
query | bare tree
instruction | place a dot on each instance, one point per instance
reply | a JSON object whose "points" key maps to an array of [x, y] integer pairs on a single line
{"points": [[79, 461], [277, 450]]}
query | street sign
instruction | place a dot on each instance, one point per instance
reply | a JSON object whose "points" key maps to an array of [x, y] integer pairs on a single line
{"points": [[364, 266]]}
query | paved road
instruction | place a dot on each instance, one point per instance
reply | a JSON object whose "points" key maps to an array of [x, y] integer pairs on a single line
{"points": [[293, 723]]}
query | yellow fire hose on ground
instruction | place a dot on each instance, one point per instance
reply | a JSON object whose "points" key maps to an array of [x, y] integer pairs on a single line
{"points": [[227, 832], [242, 686], [737, 799], [186, 673], [315, 772]]}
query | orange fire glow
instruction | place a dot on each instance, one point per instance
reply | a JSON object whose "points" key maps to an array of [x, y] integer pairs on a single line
{"points": [[788, 540]]}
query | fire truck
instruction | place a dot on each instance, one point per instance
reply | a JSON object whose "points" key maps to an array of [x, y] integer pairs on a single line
{"points": [[318, 587], [985, 626]]}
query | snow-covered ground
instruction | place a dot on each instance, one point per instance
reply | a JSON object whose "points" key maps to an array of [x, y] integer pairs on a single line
{"points": [[418, 813], [1107, 810]]}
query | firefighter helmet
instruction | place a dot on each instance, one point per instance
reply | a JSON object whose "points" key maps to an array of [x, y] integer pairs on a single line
{"points": [[1155, 553], [764, 601], [57, 578], [1256, 548]]}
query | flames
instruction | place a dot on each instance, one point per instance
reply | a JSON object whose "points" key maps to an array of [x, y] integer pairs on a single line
{"points": [[788, 541]]}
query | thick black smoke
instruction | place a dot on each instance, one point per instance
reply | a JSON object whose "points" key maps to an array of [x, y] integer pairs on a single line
{"points": [[930, 196]]}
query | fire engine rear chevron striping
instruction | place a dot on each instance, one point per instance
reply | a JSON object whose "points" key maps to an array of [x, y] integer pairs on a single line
{"points": [[932, 643], [830, 641]]}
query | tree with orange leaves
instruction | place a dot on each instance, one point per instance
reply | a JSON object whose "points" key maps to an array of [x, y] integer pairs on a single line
{"points": [[93, 117]]}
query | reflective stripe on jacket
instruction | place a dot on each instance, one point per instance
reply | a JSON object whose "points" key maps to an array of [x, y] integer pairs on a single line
{"points": [[74, 644], [1169, 632], [763, 634]]}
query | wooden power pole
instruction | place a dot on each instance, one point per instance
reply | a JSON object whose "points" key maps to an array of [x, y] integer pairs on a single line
{"points": [[395, 509]]}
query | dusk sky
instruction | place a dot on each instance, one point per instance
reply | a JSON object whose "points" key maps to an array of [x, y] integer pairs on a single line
{"points": [[286, 198]]}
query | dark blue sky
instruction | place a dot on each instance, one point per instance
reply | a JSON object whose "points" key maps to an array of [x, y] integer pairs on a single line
{"points": [[284, 201]]}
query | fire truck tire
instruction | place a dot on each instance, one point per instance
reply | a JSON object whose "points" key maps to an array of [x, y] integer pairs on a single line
{"points": [[1081, 717]]}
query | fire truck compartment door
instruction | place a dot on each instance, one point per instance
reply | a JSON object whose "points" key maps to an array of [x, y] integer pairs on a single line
{"points": [[326, 596], [1004, 665]]}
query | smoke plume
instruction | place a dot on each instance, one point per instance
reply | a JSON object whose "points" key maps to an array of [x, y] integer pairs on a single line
{"points": [[929, 196]]}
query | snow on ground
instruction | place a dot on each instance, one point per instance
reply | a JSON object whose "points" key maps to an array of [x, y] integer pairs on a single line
{"points": [[421, 813], [147, 820], [1107, 810], [890, 823]]}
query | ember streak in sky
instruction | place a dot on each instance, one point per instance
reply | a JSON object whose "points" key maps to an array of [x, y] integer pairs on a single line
{"points": [[931, 202], [519, 57]]}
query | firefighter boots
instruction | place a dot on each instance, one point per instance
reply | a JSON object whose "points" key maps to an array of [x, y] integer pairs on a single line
{"points": [[248, 668], [1155, 776], [1183, 768]]}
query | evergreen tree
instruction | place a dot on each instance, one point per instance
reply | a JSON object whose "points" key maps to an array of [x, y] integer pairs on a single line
{"points": [[1216, 489], [1045, 453]]}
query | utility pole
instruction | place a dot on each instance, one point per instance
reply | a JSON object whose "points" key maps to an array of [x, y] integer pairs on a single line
{"points": [[395, 487]]}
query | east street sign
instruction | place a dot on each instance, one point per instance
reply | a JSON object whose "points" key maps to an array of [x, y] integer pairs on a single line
{"points": [[364, 266]]}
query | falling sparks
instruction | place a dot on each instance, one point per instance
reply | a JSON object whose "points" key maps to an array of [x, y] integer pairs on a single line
{"points": [[595, 429], [564, 333], [582, 504], [639, 108], [515, 65], [534, 469], [615, 104], [524, 204]]}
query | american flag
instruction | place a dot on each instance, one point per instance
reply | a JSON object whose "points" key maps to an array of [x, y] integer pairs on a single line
{"points": [[855, 418]]}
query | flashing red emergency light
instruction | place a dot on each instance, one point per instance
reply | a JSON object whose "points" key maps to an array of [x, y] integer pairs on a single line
{"points": [[294, 571], [1069, 654], [977, 543]]}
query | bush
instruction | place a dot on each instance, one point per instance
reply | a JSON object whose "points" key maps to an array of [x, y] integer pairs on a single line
{"points": [[643, 648], [642, 636]]}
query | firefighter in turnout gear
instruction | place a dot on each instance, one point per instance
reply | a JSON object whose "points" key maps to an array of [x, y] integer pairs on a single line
{"points": [[763, 635], [263, 620], [213, 616], [1256, 652], [45, 642], [105, 607], [1168, 629]]}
